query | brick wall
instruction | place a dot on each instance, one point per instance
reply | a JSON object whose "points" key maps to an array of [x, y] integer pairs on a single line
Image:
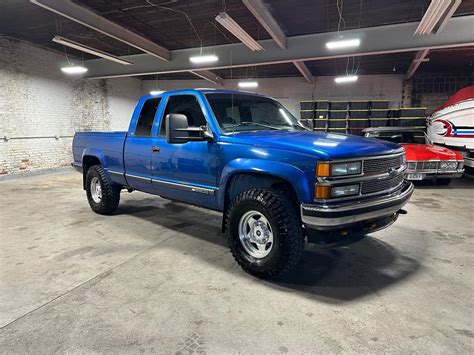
{"points": [[38, 100], [433, 89]]}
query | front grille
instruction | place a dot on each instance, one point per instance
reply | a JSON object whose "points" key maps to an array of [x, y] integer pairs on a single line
{"points": [[426, 165], [373, 186], [382, 165]]}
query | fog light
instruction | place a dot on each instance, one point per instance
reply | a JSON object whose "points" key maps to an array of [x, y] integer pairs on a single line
{"points": [[347, 190]]}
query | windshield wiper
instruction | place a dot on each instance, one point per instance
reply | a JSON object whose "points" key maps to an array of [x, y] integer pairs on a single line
{"points": [[245, 123]]}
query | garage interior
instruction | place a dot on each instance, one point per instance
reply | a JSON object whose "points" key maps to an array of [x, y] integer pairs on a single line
{"points": [[157, 276]]}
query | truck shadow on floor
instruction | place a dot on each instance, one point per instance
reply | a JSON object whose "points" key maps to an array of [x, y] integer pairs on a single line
{"points": [[332, 275]]}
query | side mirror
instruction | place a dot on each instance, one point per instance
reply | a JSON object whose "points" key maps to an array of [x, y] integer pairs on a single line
{"points": [[179, 132]]}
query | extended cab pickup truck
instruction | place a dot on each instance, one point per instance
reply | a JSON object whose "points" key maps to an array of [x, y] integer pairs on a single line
{"points": [[245, 155]]}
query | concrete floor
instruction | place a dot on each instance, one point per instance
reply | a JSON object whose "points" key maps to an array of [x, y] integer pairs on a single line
{"points": [[158, 277]]}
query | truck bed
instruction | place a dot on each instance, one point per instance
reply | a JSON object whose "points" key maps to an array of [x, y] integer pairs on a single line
{"points": [[108, 144]]}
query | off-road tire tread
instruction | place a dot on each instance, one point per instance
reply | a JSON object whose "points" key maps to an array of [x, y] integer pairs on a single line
{"points": [[110, 192], [290, 230]]}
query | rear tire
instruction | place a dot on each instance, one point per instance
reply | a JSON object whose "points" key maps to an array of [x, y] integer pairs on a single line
{"points": [[103, 196], [443, 182], [265, 234]]}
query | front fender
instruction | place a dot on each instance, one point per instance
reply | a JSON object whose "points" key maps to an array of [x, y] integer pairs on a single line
{"points": [[289, 173]]}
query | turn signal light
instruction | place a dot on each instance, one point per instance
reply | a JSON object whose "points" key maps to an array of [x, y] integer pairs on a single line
{"points": [[322, 192], [323, 170]]}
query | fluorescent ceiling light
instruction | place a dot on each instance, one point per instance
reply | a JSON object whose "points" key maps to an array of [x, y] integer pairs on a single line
{"points": [[346, 79], [233, 27], [248, 84], [156, 92], [90, 50], [74, 70], [199, 59], [343, 43]]}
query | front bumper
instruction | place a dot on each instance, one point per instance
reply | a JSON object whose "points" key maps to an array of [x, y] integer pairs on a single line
{"points": [[439, 174], [332, 217]]}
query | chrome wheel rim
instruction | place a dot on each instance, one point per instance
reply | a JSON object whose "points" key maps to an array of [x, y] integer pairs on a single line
{"points": [[255, 234], [96, 190]]}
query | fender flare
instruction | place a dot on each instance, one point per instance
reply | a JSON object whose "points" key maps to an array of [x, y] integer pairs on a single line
{"points": [[289, 173], [99, 154]]}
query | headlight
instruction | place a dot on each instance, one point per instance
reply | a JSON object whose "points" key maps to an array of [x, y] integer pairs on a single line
{"points": [[443, 165], [339, 169], [347, 190], [452, 165], [448, 165], [353, 168]]}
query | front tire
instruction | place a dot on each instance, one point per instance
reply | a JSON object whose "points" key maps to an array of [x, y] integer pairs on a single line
{"points": [[264, 233], [102, 195]]}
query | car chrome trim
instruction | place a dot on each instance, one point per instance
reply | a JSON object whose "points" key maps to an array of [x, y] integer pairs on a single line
{"points": [[127, 175], [394, 201], [113, 172], [186, 187]]}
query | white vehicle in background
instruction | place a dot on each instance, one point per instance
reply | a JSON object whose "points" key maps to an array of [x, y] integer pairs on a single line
{"points": [[452, 125]]}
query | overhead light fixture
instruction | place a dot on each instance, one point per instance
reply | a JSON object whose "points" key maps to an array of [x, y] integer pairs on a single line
{"points": [[74, 70], [83, 48], [343, 43], [233, 27], [200, 59], [346, 79], [436, 16], [156, 92], [248, 84]]}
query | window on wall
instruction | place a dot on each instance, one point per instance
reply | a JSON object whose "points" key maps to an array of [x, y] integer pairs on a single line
{"points": [[146, 117], [187, 105]]}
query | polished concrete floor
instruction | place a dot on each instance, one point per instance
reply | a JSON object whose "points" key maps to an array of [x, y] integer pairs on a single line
{"points": [[157, 277]]}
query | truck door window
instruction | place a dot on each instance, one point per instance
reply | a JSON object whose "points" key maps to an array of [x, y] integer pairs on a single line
{"points": [[187, 105], [147, 115]]}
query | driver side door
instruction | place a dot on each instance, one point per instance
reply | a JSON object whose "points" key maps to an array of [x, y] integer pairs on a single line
{"points": [[188, 171]]}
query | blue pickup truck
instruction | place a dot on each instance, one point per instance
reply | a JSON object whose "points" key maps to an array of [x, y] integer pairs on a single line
{"points": [[245, 155]]}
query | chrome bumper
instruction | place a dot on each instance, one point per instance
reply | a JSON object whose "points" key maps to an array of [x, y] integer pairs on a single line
{"points": [[327, 217], [433, 174]]}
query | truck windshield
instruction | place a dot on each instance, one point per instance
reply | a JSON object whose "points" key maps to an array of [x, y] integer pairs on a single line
{"points": [[400, 137], [241, 112]]}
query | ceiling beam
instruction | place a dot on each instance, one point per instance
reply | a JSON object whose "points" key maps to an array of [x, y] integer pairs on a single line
{"points": [[436, 16], [420, 57], [374, 40], [266, 19], [88, 18], [304, 71], [209, 76]]}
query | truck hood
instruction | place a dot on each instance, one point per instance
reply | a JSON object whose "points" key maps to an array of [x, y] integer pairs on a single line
{"points": [[417, 152], [324, 145]]}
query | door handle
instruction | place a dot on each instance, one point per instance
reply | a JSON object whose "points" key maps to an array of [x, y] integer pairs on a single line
{"points": [[155, 149]]}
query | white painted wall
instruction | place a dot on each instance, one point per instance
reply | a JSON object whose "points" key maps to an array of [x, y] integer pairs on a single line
{"points": [[290, 91], [37, 99]]}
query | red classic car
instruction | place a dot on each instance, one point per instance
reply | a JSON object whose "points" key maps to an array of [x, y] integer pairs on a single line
{"points": [[424, 160]]}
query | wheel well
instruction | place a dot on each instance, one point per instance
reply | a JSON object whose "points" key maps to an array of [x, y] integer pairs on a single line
{"points": [[87, 162], [241, 182]]}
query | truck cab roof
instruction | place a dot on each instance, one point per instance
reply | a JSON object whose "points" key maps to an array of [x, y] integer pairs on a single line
{"points": [[205, 91]]}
